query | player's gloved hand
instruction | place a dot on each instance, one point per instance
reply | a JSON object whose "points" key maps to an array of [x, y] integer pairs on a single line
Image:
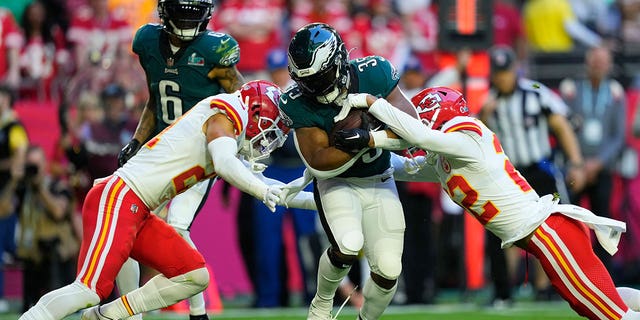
{"points": [[128, 151], [271, 197], [415, 164], [352, 100], [352, 140]]}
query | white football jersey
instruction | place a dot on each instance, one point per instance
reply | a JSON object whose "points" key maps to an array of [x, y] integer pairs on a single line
{"points": [[468, 161], [177, 157], [482, 180]]}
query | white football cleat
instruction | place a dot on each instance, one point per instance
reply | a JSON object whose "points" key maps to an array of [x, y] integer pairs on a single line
{"points": [[319, 310]]}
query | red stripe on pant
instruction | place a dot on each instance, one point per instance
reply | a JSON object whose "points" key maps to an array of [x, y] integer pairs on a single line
{"points": [[564, 249]]}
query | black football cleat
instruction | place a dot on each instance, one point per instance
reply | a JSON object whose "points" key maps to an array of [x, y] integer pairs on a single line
{"points": [[200, 317]]}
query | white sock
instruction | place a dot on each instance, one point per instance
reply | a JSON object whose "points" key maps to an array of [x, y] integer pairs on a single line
{"points": [[630, 296], [128, 279], [62, 302], [196, 302], [329, 278], [376, 299], [196, 305], [159, 292]]}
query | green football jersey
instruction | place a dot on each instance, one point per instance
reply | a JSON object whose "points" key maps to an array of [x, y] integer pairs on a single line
{"points": [[374, 75], [179, 81]]}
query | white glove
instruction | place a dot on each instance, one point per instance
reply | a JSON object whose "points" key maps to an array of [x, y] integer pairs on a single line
{"points": [[414, 164], [353, 100], [271, 197], [291, 189]]}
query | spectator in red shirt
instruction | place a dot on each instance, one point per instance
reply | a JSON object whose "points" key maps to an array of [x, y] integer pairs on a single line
{"points": [[420, 19], [508, 28], [10, 43], [43, 51], [382, 33], [99, 35], [256, 25], [331, 12]]}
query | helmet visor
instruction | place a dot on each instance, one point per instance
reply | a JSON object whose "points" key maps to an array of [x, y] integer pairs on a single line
{"points": [[186, 16], [320, 83]]}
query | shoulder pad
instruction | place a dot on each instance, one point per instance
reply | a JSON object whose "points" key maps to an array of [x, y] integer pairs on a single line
{"points": [[226, 103], [463, 124], [224, 48]]}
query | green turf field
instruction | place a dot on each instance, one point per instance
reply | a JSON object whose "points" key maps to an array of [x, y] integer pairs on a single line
{"points": [[521, 310]]}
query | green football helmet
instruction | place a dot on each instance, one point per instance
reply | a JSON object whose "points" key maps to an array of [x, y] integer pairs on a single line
{"points": [[185, 18], [319, 62]]}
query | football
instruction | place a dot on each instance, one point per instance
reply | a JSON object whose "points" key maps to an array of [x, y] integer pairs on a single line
{"points": [[357, 118]]}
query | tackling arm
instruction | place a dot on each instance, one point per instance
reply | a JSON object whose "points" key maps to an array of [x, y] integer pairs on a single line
{"points": [[223, 148]]}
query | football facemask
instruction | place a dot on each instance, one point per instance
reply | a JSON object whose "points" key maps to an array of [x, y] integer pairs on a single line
{"points": [[265, 131], [185, 18]]}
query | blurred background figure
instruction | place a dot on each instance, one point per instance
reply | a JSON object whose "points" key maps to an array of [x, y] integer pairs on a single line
{"points": [[413, 77], [598, 107], [100, 35], [97, 149], [255, 24], [552, 26], [11, 41], [47, 242], [13, 149], [43, 54]]}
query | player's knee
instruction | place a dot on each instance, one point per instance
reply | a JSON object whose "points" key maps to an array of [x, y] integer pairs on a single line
{"points": [[389, 266], [198, 277], [383, 282], [339, 259], [352, 242]]}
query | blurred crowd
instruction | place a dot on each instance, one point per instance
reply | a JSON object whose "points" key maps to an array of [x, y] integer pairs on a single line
{"points": [[75, 56]]}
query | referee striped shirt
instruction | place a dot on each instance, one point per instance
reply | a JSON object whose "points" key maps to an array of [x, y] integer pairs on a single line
{"points": [[520, 121]]}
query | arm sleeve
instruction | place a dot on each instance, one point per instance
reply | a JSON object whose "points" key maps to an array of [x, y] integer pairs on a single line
{"points": [[223, 151], [417, 134], [381, 140]]}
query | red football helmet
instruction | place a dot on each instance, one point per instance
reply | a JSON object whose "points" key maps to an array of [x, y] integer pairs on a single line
{"points": [[438, 105], [265, 130]]}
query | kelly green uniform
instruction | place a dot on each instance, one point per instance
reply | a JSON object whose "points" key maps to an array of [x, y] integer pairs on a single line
{"points": [[179, 81], [373, 75]]}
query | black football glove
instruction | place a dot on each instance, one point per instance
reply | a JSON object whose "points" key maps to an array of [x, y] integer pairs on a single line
{"points": [[352, 140], [128, 151]]}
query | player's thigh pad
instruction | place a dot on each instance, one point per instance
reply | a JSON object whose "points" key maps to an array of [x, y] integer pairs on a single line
{"points": [[183, 207], [342, 212], [159, 246], [383, 225]]}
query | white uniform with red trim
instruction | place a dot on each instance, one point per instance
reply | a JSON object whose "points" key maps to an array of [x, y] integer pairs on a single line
{"points": [[480, 177], [468, 161], [164, 158]]}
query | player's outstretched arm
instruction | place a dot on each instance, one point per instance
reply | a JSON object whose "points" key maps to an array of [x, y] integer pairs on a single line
{"points": [[223, 148]]}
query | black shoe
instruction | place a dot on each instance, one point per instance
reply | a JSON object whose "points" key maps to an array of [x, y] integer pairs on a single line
{"points": [[200, 317]]}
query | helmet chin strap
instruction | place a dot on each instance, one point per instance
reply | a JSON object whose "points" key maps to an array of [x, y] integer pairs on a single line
{"points": [[183, 34], [336, 94]]}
